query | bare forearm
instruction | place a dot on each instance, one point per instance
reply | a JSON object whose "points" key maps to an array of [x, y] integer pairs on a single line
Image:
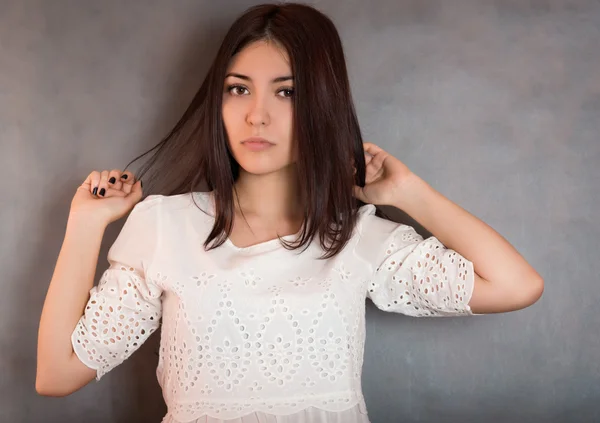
{"points": [[493, 257], [68, 292]]}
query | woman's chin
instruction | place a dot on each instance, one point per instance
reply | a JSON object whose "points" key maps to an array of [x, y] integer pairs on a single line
{"points": [[262, 168], [258, 169]]}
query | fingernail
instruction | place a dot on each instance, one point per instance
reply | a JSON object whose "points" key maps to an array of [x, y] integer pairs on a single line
{"points": [[141, 183], [102, 192], [95, 191], [112, 180], [123, 176]]}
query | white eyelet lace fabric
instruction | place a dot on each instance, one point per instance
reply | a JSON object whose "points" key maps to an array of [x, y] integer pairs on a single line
{"points": [[259, 334]]}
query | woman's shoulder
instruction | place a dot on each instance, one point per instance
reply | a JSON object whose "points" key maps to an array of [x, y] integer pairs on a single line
{"points": [[149, 202], [369, 222], [176, 203]]}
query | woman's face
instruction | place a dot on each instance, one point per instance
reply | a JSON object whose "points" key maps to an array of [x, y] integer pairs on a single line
{"points": [[257, 102]]}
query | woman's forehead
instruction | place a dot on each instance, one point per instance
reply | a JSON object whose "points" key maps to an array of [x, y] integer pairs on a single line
{"points": [[261, 57]]}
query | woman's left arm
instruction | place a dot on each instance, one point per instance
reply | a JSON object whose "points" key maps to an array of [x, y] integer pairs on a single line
{"points": [[504, 281]]}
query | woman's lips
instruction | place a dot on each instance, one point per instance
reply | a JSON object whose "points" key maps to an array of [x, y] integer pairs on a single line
{"points": [[257, 145]]}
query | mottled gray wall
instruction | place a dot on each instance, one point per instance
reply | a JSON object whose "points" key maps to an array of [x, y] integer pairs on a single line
{"points": [[494, 103]]}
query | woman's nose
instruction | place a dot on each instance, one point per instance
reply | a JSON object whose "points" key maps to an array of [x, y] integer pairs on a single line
{"points": [[257, 117], [258, 114]]}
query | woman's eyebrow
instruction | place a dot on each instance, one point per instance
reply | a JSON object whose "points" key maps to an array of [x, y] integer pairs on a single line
{"points": [[247, 78]]}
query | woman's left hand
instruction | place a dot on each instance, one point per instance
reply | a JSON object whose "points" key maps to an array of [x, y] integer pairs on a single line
{"points": [[385, 179]]}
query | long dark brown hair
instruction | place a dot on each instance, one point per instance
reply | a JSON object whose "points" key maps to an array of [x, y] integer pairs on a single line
{"points": [[325, 128]]}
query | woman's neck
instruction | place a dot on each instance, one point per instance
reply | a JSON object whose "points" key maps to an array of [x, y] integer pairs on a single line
{"points": [[271, 197]]}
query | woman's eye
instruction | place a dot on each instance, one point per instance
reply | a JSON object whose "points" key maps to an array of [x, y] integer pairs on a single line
{"points": [[232, 89], [289, 92]]}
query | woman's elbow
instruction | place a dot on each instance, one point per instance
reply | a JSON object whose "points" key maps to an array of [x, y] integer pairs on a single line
{"points": [[49, 388], [532, 295]]}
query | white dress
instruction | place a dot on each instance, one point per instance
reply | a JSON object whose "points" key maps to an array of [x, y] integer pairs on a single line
{"points": [[259, 334]]}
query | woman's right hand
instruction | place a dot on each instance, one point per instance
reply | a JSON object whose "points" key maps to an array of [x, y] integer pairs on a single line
{"points": [[118, 200]]}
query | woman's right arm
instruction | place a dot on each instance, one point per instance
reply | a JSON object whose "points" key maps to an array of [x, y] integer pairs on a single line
{"points": [[101, 199], [59, 370]]}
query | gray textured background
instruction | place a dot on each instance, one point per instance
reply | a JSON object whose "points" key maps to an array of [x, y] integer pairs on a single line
{"points": [[494, 103]]}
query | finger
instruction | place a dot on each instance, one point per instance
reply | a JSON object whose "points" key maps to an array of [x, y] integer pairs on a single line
{"points": [[128, 187], [112, 192], [136, 192], [114, 179], [378, 154], [91, 182], [102, 184], [372, 149], [127, 177], [118, 188], [136, 189], [129, 180]]}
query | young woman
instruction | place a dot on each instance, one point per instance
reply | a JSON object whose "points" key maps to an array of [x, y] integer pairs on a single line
{"points": [[267, 323]]}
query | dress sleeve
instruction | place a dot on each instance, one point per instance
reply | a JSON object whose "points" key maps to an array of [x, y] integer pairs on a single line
{"points": [[125, 307], [412, 275]]}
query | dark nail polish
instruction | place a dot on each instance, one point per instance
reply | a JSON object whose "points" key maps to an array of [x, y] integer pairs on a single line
{"points": [[112, 180], [95, 191], [102, 192], [124, 177], [141, 183]]}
